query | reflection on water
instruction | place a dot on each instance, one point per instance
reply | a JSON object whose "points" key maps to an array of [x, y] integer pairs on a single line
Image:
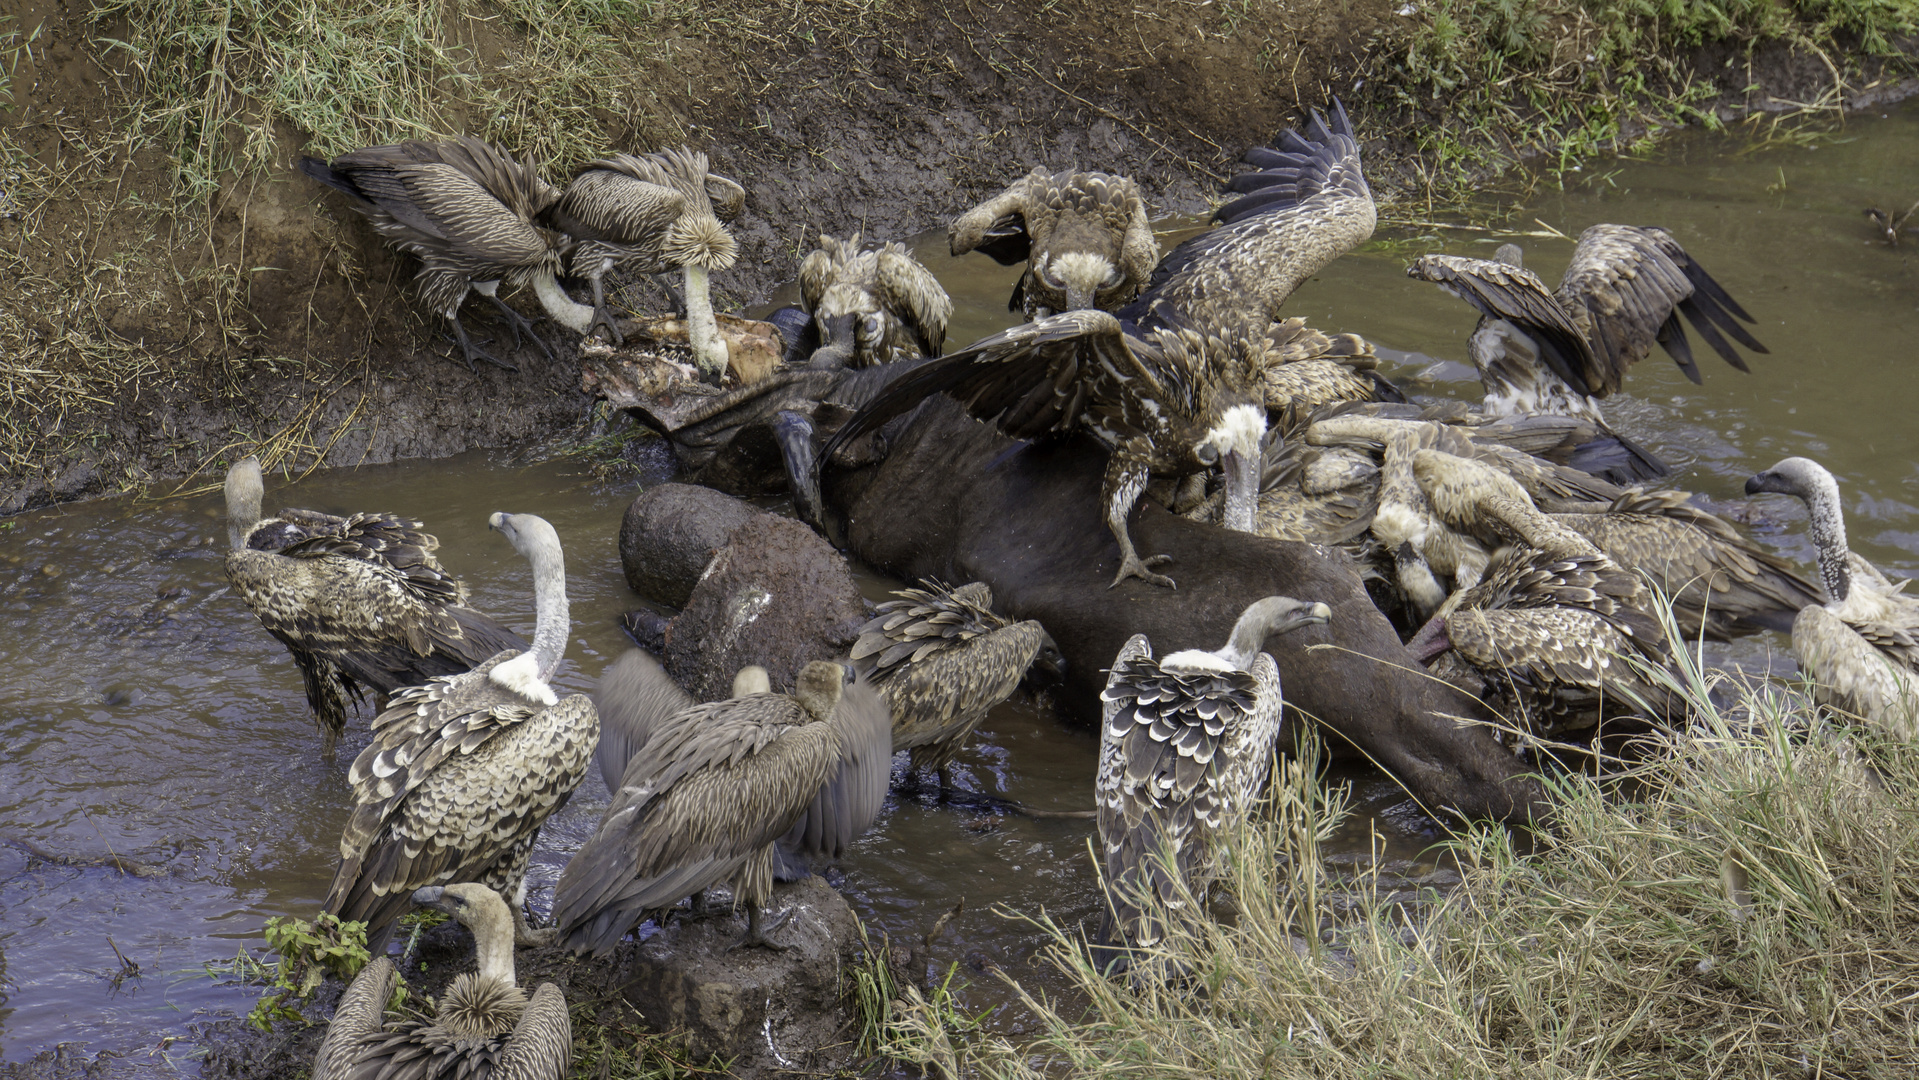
{"points": [[145, 713]]}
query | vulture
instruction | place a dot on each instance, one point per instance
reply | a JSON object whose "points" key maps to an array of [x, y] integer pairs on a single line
{"points": [[714, 790], [1549, 634], [941, 658], [1541, 351], [472, 214], [463, 771], [485, 1025], [360, 602], [1083, 236], [1184, 749], [871, 304], [652, 213], [1860, 647], [1172, 383]]}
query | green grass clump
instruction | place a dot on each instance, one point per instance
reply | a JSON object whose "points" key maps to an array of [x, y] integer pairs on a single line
{"points": [[216, 80], [309, 952], [1742, 903], [1482, 84]]}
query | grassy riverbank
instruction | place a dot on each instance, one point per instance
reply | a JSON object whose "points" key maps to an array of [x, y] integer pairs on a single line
{"points": [[1744, 905], [170, 286]]}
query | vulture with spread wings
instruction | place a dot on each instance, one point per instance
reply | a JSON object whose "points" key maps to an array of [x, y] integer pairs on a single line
{"points": [[1171, 384], [1541, 351]]}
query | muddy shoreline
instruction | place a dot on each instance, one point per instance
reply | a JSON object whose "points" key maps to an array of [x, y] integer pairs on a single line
{"points": [[289, 327]]}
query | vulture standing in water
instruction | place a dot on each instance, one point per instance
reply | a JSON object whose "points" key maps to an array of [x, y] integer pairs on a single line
{"points": [[359, 601], [653, 213], [485, 1027], [1172, 384], [942, 658], [470, 211], [713, 789], [871, 304], [1540, 351], [1860, 647], [463, 771], [1549, 634], [1184, 750], [1083, 236]]}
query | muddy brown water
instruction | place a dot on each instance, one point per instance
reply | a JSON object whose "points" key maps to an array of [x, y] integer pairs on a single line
{"points": [[145, 714]]}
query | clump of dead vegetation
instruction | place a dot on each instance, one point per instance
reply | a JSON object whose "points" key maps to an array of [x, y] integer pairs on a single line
{"points": [[1741, 903]]}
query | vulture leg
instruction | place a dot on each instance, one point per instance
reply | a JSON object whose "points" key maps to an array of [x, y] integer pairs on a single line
{"points": [[521, 325], [674, 302], [473, 352], [602, 315], [756, 931], [1125, 479], [524, 934]]}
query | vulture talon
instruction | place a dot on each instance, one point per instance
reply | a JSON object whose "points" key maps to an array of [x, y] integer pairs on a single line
{"points": [[1136, 567], [521, 326], [756, 931], [603, 317]]}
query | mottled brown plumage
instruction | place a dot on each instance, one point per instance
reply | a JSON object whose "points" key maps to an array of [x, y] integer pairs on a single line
{"points": [[872, 303], [1185, 745], [1307, 369], [463, 771], [648, 213], [1722, 586], [942, 658], [1173, 384], [360, 602], [1861, 647], [1548, 634], [485, 1028], [471, 213], [711, 792], [1562, 351], [1083, 235]]}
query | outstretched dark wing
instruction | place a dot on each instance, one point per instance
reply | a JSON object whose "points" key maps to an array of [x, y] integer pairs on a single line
{"points": [[1499, 290], [1030, 380], [1634, 282], [1304, 204]]}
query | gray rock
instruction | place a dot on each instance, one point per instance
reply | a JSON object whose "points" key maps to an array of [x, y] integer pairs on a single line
{"points": [[768, 1013], [671, 532], [776, 595]]}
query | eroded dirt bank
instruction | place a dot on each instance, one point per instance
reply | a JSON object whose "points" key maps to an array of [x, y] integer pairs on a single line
{"points": [[144, 335], [139, 346]]}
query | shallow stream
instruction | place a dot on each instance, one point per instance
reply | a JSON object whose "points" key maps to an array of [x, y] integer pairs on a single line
{"points": [[145, 714]]}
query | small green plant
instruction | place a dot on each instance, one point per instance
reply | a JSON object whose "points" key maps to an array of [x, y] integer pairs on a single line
{"points": [[309, 952]]}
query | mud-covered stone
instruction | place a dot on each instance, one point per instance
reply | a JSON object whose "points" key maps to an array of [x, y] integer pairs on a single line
{"points": [[776, 595], [768, 1013], [671, 532]]}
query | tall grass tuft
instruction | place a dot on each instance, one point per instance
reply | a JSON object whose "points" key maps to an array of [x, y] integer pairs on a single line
{"points": [[1482, 84], [1741, 902]]}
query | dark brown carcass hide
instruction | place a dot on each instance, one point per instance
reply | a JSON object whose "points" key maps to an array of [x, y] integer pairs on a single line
{"points": [[956, 500]]}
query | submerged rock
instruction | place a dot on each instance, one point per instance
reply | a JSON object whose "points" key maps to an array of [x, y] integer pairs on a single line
{"points": [[776, 595], [768, 1013], [671, 532]]}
